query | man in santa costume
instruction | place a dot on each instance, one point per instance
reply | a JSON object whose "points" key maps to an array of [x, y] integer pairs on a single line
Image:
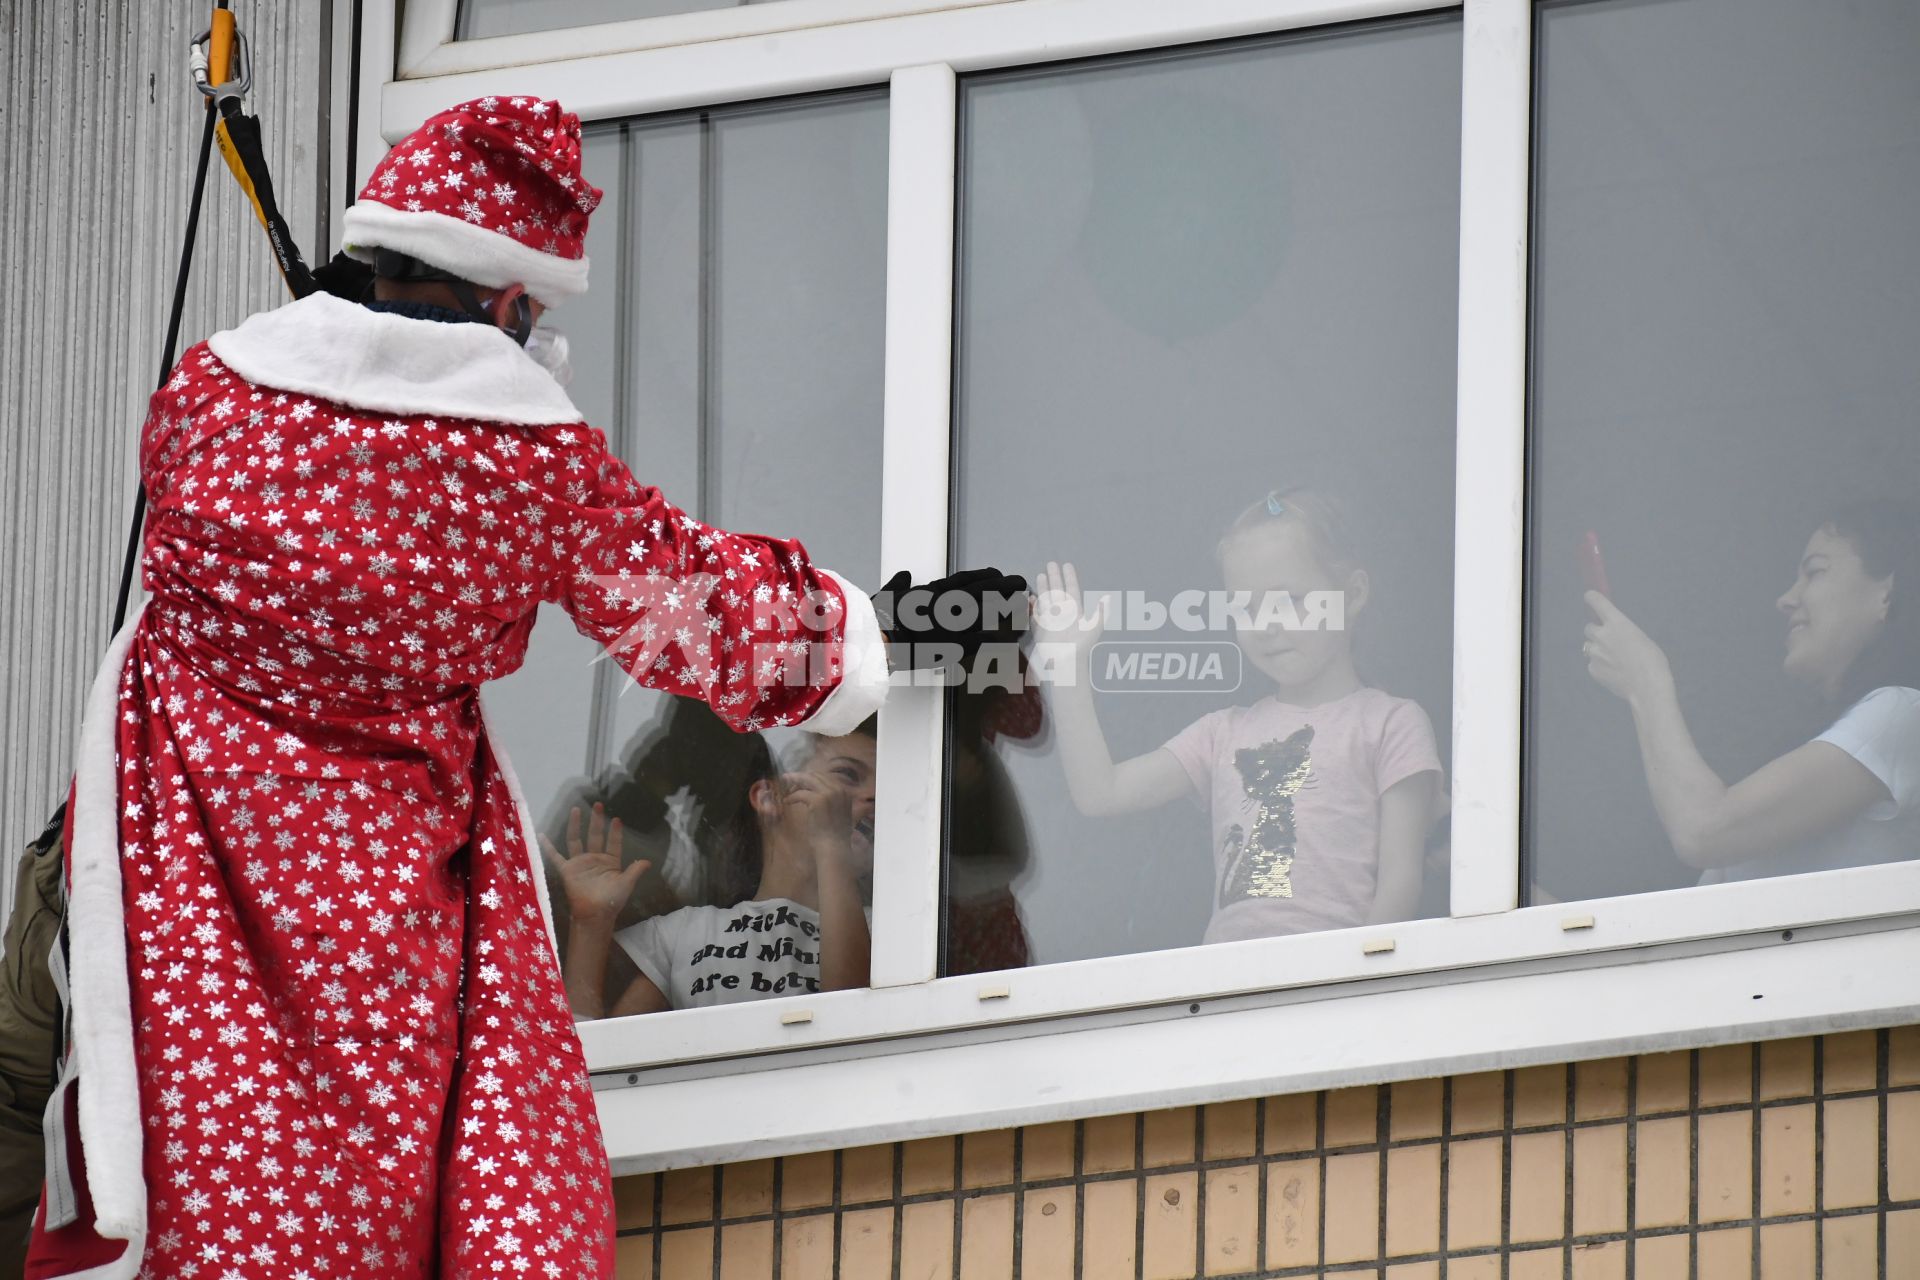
{"points": [[318, 1027]]}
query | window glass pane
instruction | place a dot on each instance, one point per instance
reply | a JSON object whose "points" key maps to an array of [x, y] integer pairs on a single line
{"points": [[543, 708], [517, 17], [732, 348], [1187, 280], [1726, 308]]}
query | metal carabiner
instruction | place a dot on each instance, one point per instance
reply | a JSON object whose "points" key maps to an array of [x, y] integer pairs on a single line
{"points": [[240, 80]]}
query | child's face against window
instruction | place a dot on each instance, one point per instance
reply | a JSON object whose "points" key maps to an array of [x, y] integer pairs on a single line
{"points": [[1300, 612], [849, 762], [1834, 610]]}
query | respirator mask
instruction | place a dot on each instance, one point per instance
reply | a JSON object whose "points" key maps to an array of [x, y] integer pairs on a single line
{"points": [[548, 347]]}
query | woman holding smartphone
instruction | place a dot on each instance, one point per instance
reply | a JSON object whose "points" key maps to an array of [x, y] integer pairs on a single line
{"points": [[1850, 796]]}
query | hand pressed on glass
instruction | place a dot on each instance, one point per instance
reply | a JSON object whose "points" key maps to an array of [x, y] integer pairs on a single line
{"points": [[1059, 610], [597, 886], [942, 623]]}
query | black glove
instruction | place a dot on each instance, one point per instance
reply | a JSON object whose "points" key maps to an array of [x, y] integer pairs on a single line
{"points": [[949, 618]]}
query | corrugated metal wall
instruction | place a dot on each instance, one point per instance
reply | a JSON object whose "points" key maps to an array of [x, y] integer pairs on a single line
{"points": [[99, 128]]}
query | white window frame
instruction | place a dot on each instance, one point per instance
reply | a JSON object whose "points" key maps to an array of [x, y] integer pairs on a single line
{"points": [[1491, 985], [428, 47]]}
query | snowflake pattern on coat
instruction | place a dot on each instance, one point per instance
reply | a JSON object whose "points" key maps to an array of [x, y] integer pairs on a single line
{"points": [[354, 1048]]}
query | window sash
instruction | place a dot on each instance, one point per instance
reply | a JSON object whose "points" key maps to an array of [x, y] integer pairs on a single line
{"points": [[914, 499], [1013, 1003], [1373, 1033], [918, 50], [600, 84], [1496, 119], [428, 46]]}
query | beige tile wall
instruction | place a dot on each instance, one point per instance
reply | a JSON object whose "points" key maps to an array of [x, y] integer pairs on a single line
{"points": [[1789, 1160]]}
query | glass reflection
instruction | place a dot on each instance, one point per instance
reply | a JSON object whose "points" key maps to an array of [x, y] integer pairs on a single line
{"points": [[1188, 278], [769, 896], [1324, 771], [1723, 535], [1850, 796], [481, 18], [731, 347]]}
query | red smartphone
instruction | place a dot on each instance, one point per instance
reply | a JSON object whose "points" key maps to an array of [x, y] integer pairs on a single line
{"points": [[1593, 566]]}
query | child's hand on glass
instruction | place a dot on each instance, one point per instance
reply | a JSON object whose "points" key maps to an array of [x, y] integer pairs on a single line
{"points": [[1060, 614], [818, 811], [597, 886]]}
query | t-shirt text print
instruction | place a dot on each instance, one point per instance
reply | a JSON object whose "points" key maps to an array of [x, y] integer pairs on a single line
{"points": [[700, 956]]}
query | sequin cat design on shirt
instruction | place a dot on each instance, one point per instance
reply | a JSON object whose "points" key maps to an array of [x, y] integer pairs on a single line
{"points": [[1260, 865]]}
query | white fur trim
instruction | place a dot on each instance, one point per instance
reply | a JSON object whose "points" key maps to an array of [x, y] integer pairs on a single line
{"points": [[340, 351], [111, 1134], [473, 252], [863, 668], [528, 836]]}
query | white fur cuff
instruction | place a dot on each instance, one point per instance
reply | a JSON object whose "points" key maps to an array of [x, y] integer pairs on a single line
{"points": [[863, 668]]}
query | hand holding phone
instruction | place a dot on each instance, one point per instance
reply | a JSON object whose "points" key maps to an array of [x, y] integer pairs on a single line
{"points": [[1593, 567]]}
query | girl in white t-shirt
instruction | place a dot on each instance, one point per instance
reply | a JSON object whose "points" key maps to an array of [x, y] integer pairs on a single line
{"points": [[810, 833], [1849, 797], [1320, 795]]}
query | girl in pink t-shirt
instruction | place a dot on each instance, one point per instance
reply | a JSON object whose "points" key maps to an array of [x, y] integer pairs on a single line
{"points": [[1321, 793]]}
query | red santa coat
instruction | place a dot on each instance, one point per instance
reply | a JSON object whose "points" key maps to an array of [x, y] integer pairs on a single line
{"points": [[319, 1024]]}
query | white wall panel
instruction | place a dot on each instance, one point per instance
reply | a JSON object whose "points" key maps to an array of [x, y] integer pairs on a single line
{"points": [[99, 129]]}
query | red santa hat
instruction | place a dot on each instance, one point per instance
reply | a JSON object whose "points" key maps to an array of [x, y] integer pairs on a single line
{"points": [[490, 190]]}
